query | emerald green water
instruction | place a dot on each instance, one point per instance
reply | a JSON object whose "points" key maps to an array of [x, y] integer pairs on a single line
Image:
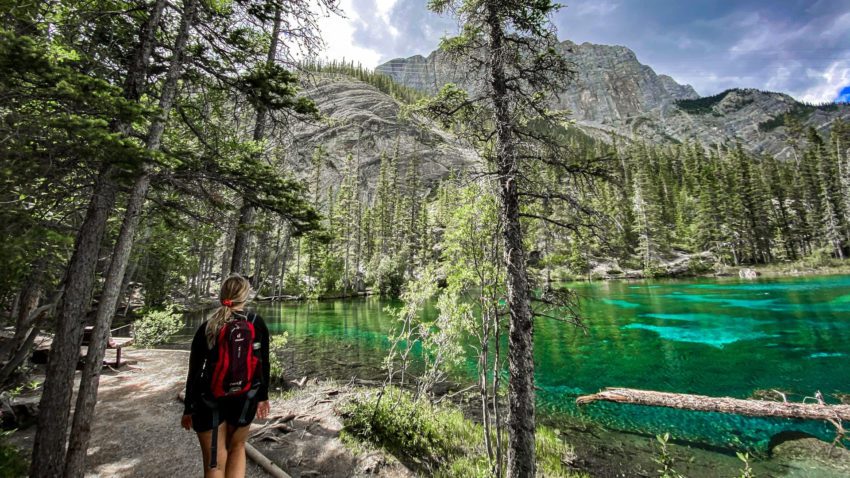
{"points": [[712, 337]]}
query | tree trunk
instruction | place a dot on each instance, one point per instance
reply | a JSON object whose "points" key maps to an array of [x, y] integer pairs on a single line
{"points": [[483, 360], [22, 350], [521, 447], [55, 404], [18, 355], [125, 285], [497, 367], [87, 396], [240, 244], [227, 256], [702, 403], [246, 212], [28, 300]]}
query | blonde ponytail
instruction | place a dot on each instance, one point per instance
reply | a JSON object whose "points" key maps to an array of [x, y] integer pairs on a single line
{"points": [[234, 291]]}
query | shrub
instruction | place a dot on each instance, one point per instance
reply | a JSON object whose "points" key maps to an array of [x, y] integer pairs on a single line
{"points": [[438, 438], [697, 266], [822, 257], [156, 326], [13, 462], [387, 274], [276, 346]]}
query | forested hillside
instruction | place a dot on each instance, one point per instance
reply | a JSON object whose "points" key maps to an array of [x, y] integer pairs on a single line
{"points": [[151, 148]]}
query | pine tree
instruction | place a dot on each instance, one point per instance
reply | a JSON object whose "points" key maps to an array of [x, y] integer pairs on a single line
{"points": [[755, 226], [830, 196], [647, 204]]}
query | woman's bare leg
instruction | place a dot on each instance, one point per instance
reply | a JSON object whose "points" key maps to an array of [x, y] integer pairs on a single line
{"points": [[205, 438], [236, 451]]}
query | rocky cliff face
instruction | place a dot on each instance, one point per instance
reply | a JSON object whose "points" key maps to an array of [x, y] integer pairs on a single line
{"points": [[614, 94], [610, 84], [365, 122]]}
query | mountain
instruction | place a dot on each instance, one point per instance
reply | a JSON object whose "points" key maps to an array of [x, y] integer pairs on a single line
{"points": [[362, 120], [614, 94]]}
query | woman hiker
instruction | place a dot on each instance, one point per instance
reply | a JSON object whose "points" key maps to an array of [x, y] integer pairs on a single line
{"points": [[228, 381]]}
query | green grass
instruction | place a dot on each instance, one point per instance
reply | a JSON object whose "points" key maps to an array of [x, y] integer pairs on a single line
{"points": [[437, 440]]}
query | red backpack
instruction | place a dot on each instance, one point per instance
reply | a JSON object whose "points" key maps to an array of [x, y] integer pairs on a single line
{"points": [[234, 370]]}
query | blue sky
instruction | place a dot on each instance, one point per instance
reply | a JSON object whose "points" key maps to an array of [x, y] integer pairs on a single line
{"points": [[800, 47]]}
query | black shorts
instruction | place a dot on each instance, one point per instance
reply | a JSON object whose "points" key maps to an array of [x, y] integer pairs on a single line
{"points": [[236, 411]]}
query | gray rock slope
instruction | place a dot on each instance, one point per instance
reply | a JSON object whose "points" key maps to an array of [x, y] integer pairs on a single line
{"points": [[363, 121], [614, 94]]}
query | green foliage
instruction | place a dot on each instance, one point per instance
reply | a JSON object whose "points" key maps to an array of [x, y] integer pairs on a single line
{"points": [[274, 87], [437, 439], [746, 471], [387, 275], [664, 459], [13, 462], [798, 113], [56, 127], [165, 257], [381, 81], [156, 326], [276, 346], [820, 257], [450, 106], [412, 329], [702, 105]]}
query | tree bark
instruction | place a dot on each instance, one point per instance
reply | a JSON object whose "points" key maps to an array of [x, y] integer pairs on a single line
{"points": [[521, 446], [737, 406], [125, 286], [55, 404], [246, 212], [87, 396], [28, 300], [238, 263], [21, 350]]}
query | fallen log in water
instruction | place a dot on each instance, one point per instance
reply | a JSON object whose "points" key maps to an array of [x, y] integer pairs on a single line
{"points": [[752, 408]]}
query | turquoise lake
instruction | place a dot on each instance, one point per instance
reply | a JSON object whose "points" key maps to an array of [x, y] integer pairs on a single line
{"points": [[718, 337]]}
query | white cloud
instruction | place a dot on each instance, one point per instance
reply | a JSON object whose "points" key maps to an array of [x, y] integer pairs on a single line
{"points": [[778, 81], [830, 82], [338, 36], [838, 30], [592, 8], [384, 7]]}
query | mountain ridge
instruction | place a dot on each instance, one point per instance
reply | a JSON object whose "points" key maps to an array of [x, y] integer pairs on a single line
{"points": [[615, 94]]}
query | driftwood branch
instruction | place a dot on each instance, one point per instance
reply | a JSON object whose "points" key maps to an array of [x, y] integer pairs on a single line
{"points": [[264, 462], [751, 408]]}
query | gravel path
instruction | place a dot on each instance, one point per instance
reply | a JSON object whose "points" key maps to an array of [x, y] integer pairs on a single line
{"points": [[137, 429]]}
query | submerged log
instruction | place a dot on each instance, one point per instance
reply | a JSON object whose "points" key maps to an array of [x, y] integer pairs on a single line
{"points": [[702, 403]]}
